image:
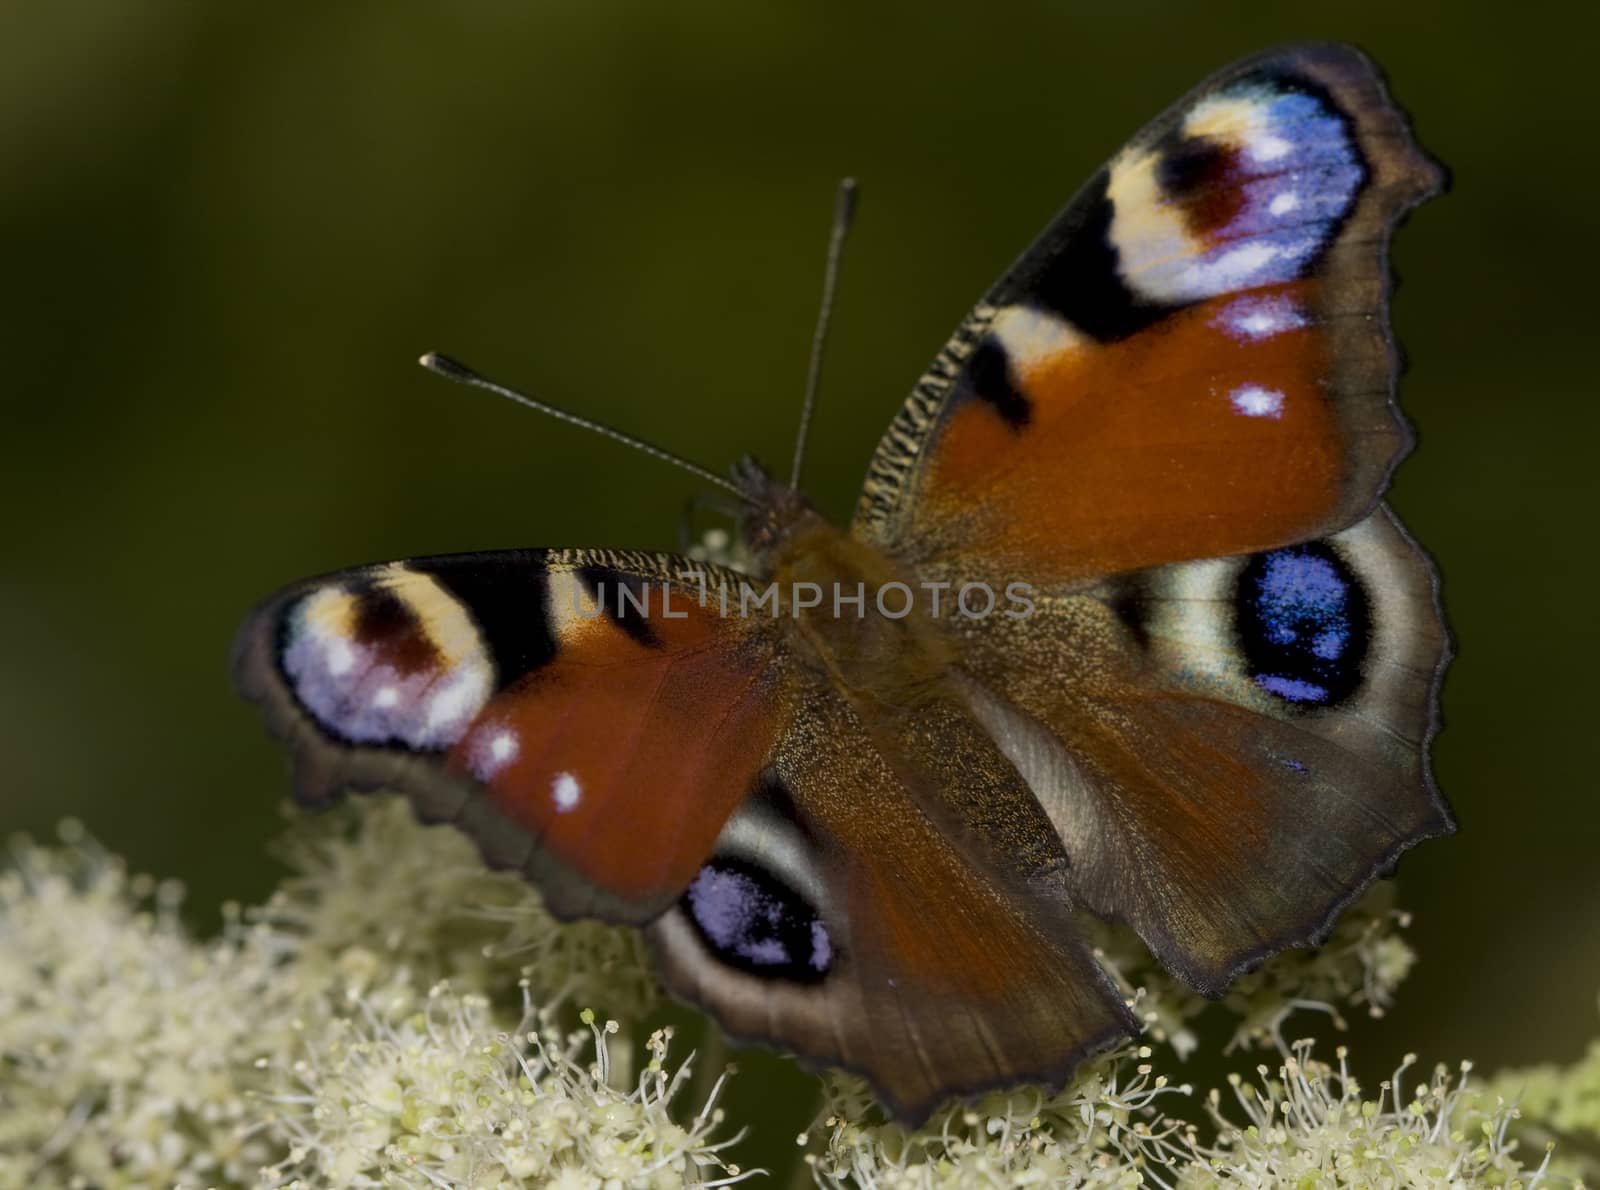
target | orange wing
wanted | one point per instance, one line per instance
(579, 713)
(1192, 362)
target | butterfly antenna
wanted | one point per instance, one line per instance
(461, 374)
(844, 212)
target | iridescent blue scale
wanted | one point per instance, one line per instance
(1302, 620)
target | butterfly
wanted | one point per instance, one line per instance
(1121, 626)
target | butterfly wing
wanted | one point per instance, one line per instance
(1193, 361)
(579, 713)
(813, 881)
(1232, 749)
(948, 971)
(1174, 419)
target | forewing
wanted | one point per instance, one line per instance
(1193, 361)
(583, 715)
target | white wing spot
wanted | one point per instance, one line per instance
(1253, 318)
(387, 696)
(565, 791)
(1284, 203)
(456, 700)
(341, 657)
(1254, 401)
(1260, 324)
(504, 746)
(491, 750)
(1269, 148)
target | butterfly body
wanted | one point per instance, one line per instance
(1120, 627)
(896, 660)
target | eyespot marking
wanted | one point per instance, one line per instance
(757, 924)
(1245, 192)
(1301, 616)
(391, 661)
(1292, 689)
(508, 606)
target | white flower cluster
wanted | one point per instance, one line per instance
(1309, 1124)
(437, 1095)
(1301, 1124)
(122, 1042)
(396, 1015)
(323, 1042)
(1104, 1130)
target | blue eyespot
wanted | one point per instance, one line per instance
(1302, 620)
(757, 924)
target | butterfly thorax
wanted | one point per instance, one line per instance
(832, 589)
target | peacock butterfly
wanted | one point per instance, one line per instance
(1120, 626)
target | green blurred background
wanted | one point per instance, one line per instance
(229, 229)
